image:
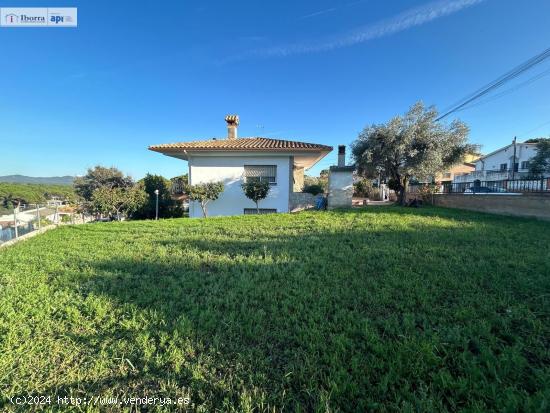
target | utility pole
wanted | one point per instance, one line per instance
(514, 160)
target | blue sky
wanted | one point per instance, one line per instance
(139, 73)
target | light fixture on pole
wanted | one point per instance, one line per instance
(157, 205)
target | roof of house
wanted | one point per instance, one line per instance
(503, 148)
(241, 144)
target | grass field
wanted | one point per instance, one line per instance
(381, 309)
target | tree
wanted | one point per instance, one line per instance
(256, 191)
(167, 206)
(98, 177)
(540, 163)
(413, 145)
(34, 193)
(204, 193)
(117, 201)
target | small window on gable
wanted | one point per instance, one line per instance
(525, 165)
(263, 173)
(503, 166)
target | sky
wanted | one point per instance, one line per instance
(133, 74)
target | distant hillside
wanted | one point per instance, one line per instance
(49, 180)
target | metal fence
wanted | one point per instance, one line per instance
(24, 219)
(17, 222)
(485, 187)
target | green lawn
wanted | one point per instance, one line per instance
(380, 309)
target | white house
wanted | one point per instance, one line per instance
(500, 164)
(232, 160)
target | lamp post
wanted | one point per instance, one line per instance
(38, 215)
(15, 220)
(157, 205)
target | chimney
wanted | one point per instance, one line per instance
(232, 123)
(341, 155)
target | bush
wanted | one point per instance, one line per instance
(314, 189)
(362, 188)
(204, 193)
(427, 192)
(256, 191)
(365, 188)
(318, 181)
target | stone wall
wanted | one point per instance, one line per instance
(302, 200)
(527, 205)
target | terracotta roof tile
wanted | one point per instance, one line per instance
(240, 144)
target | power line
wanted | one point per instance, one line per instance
(508, 91)
(535, 128)
(512, 74)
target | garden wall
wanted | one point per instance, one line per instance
(301, 200)
(526, 205)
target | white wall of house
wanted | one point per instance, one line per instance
(230, 170)
(524, 152)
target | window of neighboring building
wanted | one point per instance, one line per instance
(263, 173)
(447, 175)
(525, 165)
(503, 166)
(253, 211)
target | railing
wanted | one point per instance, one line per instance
(484, 187)
(17, 222)
(491, 175)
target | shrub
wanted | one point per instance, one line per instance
(204, 193)
(314, 189)
(362, 188)
(427, 192)
(256, 191)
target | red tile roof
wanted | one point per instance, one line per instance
(240, 144)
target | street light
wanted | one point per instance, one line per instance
(157, 205)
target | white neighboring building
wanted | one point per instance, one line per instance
(500, 165)
(233, 160)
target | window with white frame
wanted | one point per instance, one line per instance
(525, 165)
(262, 173)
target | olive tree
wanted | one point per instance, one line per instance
(118, 201)
(413, 145)
(204, 193)
(256, 191)
(98, 177)
(540, 163)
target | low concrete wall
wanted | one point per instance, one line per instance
(302, 200)
(526, 205)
